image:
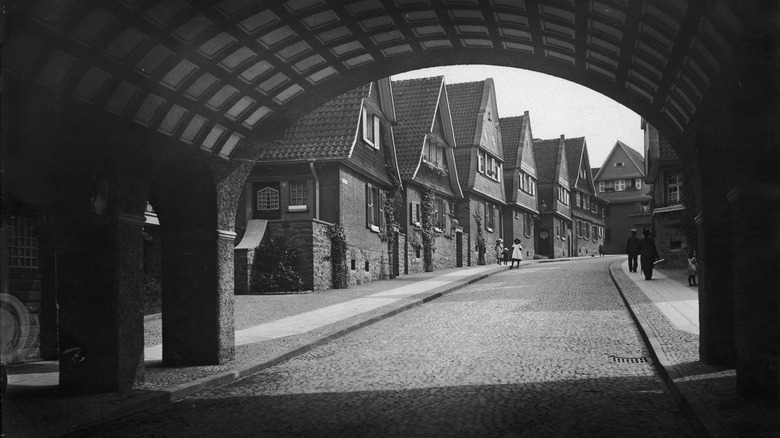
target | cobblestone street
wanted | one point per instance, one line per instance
(545, 350)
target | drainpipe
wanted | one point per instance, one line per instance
(316, 191)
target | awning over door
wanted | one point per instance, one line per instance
(255, 230)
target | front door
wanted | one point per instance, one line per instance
(543, 242)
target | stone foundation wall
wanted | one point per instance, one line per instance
(322, 272)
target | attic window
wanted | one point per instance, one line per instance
(371, 129)
(619, 164)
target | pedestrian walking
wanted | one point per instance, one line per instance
(499, 250)
(693, 268)
(648, 254)
(517, 253)
(601, 250)
(632, 249)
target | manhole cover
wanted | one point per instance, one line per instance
(618, 359)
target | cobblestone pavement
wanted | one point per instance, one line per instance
(546, 350)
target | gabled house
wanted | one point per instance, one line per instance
(554, 235)
(665, 172)
(333, 166)
(620, 181)
(425, 144)
(587, 210)
(479, 159)
(520, 182)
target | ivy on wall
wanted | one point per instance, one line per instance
(428, 210)
(338, 255)
(480, 238)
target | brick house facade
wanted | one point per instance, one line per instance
(621, 182)
(587, 208)
(554, 237)
(479, 159)
(520, 183)
(330, 167)
(425, 143)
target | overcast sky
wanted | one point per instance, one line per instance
(555, 106)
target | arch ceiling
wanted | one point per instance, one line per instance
(218, 74)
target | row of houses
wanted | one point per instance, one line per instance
(419, 175)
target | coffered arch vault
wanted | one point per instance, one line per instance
(215, 74)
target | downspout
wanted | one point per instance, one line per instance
(316, 190)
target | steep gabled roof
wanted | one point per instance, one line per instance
(416, 103)
(512, 139)
(636, 159)
(465, 103)
(575, 150)
(328, 132)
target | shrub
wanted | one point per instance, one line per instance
(273, 268)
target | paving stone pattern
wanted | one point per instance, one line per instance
(526, 352)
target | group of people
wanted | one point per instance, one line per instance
(503, 253)
(648, 255)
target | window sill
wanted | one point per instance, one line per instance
(438, 230)
(374, 228)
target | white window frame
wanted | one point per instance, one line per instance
(638, 183)
(268, 204)
(601, 186)
(296, 204)
(374, 138)
(620, 185)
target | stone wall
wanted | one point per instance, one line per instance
(322, 271)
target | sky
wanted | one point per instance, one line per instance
(555, 106)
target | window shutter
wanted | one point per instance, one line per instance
(369, 205)
(411, 213)
(377, 132)
(382, 219)
(365, 125)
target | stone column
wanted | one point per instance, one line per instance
(100, 282)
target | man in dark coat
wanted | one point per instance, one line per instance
(648, 254)
(632, 249)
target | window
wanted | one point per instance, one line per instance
(674, 183)
(601, 186)
(563, 195)
(371, 129)
(523, 181)
(594, 207)
(620, 185)
(619, 164)
(595, 233)
(481, 156)
(490, 217)
(298, 196)
(586, 202)
(439, 215)
(433, 153)
(578, 199)
(579, 228)
(414, 214)
(583, 173)
(267, 199)
(638, 183)
(22, 243)
(532, 185)
(527, 224)
(586, 229)
(557, 230)
(374, 208)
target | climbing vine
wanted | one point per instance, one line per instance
(480, 239)
(273, 269)
(338, 255)
(428, 209)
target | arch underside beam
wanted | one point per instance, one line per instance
(220, 76)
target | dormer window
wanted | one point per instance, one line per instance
(371, 129)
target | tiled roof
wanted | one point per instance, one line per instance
(465, 101)
(635, 155)
(511, 128)
(665, 149)
(594, 171)
(574, 151)
(463, 164)
(327, 132)
(415, 107)
(546, 154)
